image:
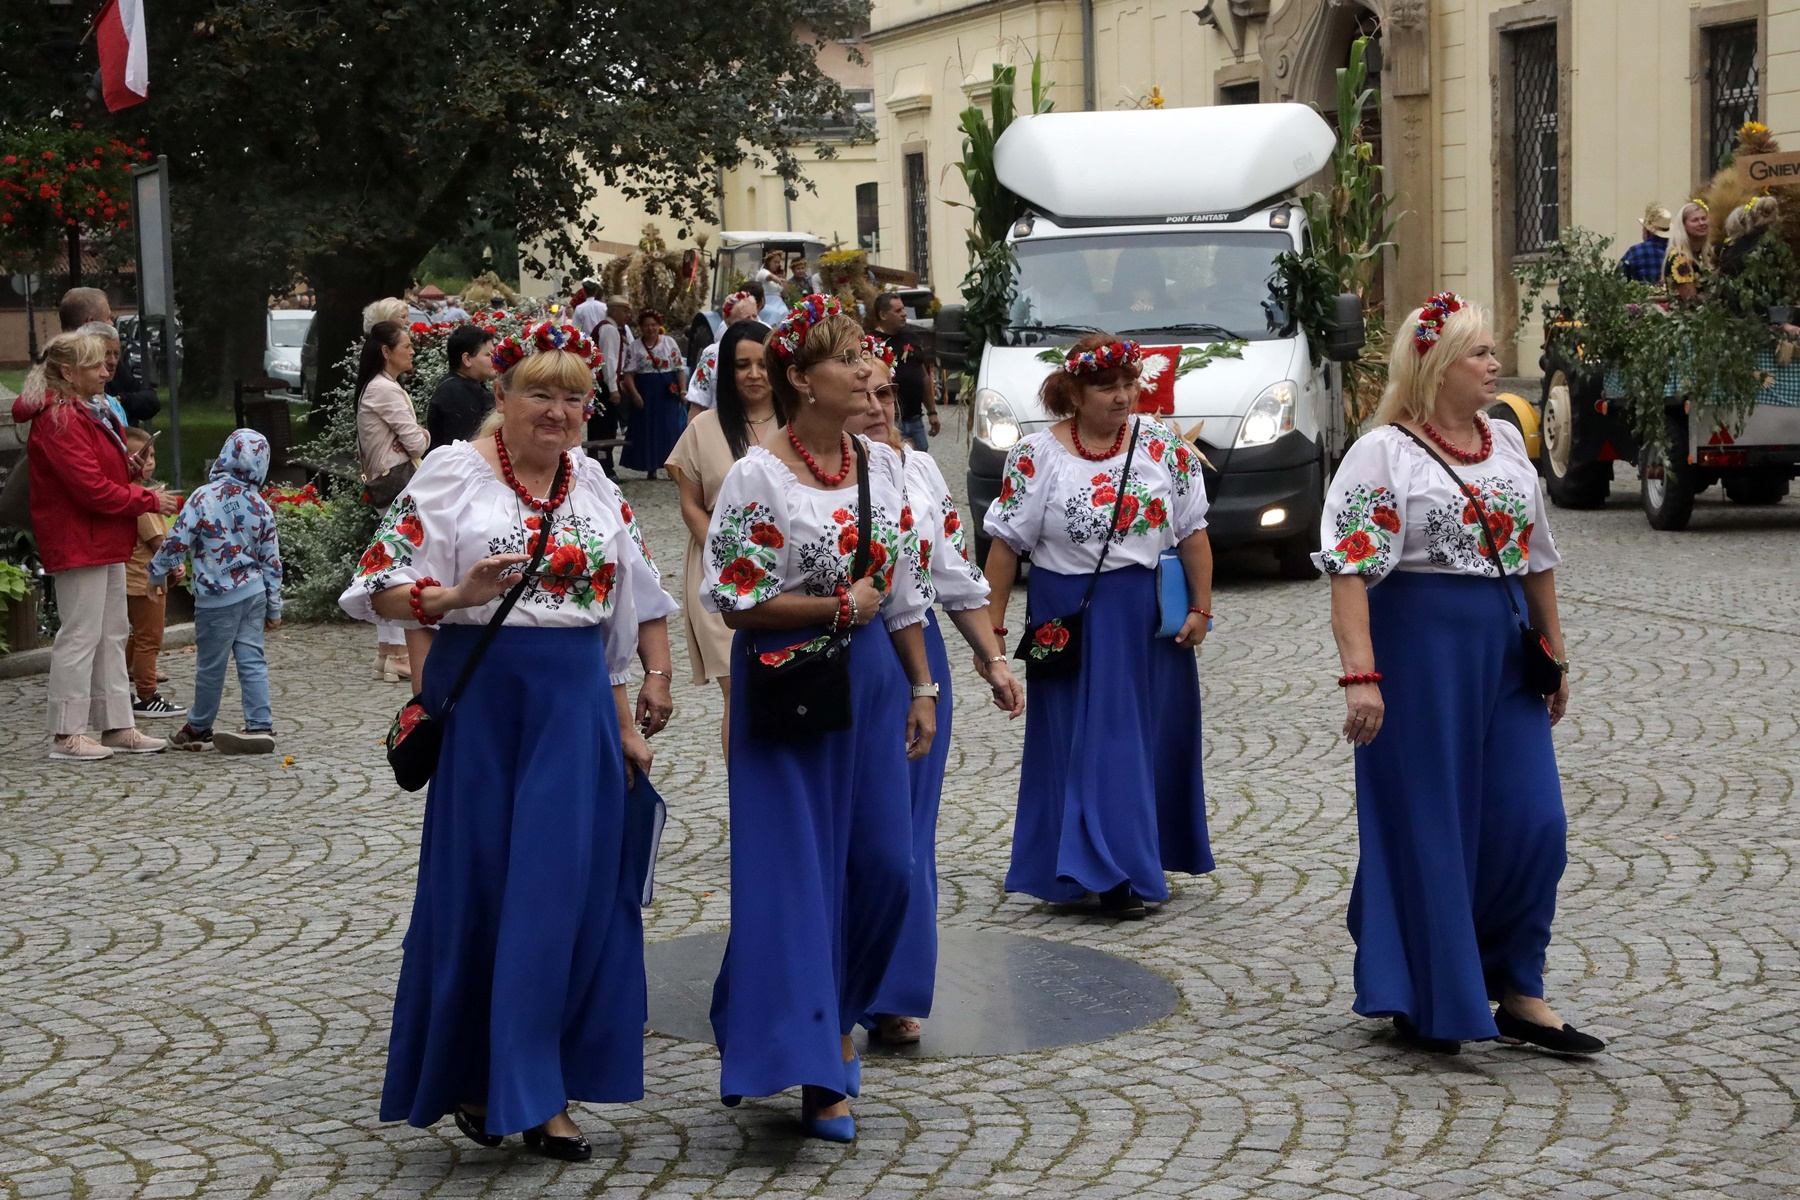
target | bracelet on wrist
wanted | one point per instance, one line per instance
(1204, 612)
(1001, 631)
(656, 671)
(418, 601)
(1356, 677)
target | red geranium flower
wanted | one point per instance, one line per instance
(1155, 513)
(375, 559)
(1387, 518)
(762, 533)
(743, 575)
(410, 528)
(1356, 547)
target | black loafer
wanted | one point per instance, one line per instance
(472, 1128)
(1123, 903)
(568, 1149)
(1408, 1033)
(1567, 1040)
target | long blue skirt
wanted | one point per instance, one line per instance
(821, 862)
(522, 979)
(1459, 811)
(907, 988)
(652, 431)
(1111, 790)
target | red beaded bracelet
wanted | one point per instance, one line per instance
(840, 620)
(1001, 631)
(418, 604)
(1205, 612)
(1357, 677)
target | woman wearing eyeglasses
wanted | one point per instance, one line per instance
(522, 982)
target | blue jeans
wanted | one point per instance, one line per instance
(913, 430)
(233, 630)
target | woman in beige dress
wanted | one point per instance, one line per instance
(712, 442)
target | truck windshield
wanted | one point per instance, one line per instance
(1184, 286)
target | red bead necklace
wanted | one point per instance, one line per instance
(812, 464)
(1118, 443)
(1460, 455)
(524, 493)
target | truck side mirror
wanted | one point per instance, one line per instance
(1344, 342)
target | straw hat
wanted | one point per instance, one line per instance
(1656, 220)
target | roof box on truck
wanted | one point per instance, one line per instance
(1175, 164)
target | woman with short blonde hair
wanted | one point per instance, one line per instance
(1435, 540)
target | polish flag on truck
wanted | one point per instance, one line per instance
(124, 54)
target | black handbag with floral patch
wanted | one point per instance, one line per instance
(801, 691)
(1052, 649)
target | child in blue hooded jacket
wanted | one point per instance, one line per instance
(229, 530)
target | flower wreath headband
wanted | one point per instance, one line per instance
(1104, 358)
(873, 347)
(512, 350)
(1434, 314)
(790, 332)
(735, 299)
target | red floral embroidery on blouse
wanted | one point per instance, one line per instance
(764, 533)
(1157, 446)
(906, 517)
(411, 528)
(742, 574)
(1128, 511)
(847, 539)
(1387, 518)
(1356, 547)
(375, 559)
(841, 516)
(1027, 468)
(1156, 513)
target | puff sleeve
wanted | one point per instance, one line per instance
(1016, 516)
(417, 538)
(1186, 485)
(747, 544)
(943, 550)
(1360, 532)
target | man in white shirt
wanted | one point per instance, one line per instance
(591, 311)
(614, 336)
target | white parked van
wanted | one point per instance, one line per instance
(1163, 226)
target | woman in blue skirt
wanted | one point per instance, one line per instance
(821, 850)
(655, 382)
(522, 977)
(1459, 808)
(931, 538)
(1110, 792)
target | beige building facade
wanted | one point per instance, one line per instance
(1501, 124)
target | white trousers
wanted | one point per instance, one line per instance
(90, 687)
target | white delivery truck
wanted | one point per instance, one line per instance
(1163, 226)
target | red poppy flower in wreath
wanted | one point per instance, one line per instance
(906, 517)
(1156, 513)
(1128, 511)
(742, 574)
(763, 533)
(375, 559)
(1356, 547)
(1386, 518)
(847, 539)
(411, 528)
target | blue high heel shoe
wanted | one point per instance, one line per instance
(828, 1129)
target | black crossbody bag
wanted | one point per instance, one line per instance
(1052, 649)
(416, 738)
(800, 692)
(1543, 674)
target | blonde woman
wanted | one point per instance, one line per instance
(1459, 807)
(1689, 252)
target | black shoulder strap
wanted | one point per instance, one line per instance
(1112, 525)
(1474, 498)
(545, 528)
(859, 563)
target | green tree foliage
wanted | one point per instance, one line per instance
(341, 142)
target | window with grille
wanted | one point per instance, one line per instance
(868, 216)
(1536, 182)
(918, 200)
(1241, 93)
(1731, 87)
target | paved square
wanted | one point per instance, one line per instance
(197, 953)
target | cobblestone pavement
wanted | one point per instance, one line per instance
(197, 955)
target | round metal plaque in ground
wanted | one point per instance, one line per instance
(997, 993)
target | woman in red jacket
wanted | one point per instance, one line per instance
(84, 510)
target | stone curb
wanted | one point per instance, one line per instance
(37, 662)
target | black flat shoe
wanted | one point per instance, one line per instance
(1123, 903)
(1567, 1040)
(1408, 1033)
(568, 1149)
(472, 1128)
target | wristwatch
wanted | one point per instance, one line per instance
(925, 691)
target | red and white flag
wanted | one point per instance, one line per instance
(124, 54)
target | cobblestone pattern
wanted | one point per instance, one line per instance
(197, 954)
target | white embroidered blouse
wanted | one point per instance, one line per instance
(665, 355)
(457, 511)
(1055, 505)
(931, 537)
(703, 383)
(1391, 508)
(771, 534)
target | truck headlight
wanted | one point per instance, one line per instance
(995, 423)
(1271, 415)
